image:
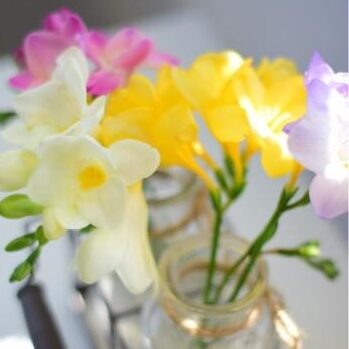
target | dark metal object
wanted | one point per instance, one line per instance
(42, 328)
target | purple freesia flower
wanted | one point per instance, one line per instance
(37, 56)
(320, 140)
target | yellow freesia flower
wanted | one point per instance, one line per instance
(279, 97)
(207, 86)
(158, 115)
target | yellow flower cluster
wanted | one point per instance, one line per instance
(237, 101)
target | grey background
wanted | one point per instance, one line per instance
(187, 28)
(255, 27)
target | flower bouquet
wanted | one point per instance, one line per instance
(89, 125)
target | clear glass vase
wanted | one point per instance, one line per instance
(178, 207)
(179, 319)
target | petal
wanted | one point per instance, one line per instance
(158, 59)
(318, 69)
(64, 22)
(97, 256)
(23, 81)
(94, 44)
(136, 268)
(68, 216)
(16, 167)
(104, 206)
(228, 124)
(134, 55)
(329, 197)
(52, 228)
(103, 82)
(276, 158)
(134, 160)
(41, 50)
(122, 40)
(91, 118)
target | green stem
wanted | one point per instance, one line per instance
(266, 235)
(213, 255)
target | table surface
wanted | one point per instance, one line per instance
(319, 306)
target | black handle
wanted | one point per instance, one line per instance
(42, 328)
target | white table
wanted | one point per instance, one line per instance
(319, 306)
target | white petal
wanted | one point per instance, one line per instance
(52, 228)
(90, 119)
(134, 160)
(329, 197)
(97, 256)
(72, 72)
(69, 217)
(137, 268)
(30, 138)
(16, 166)
(104, 206)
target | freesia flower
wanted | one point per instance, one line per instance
(155, 114)
(124, 249)
(272, 97)
(118, 56)
(16, 168)
(61, 30)
(78, 182)
(207, 87)
(320, 140)
(58, 106)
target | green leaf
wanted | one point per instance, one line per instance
(6, 116)
(221, 179)
(21, 243)
(216, 200)
(327, 266)
(21, 272)
(34, 256)
(18, 206)
(40, 236)
(229, 165)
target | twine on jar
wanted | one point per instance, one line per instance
(285, 326)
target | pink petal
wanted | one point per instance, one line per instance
(134, 56)
(41, 50)
(123, 39)
(329, 197)
(157, 59)
(65, 22)
(22, 81)
(19, 57)
(94, 44)
(103, 82)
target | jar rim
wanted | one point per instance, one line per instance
(200, 241)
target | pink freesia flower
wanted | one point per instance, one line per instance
(37, 56)
(117, 57)
(320, 140)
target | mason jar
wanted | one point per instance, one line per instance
(178, 318)
(179, 207)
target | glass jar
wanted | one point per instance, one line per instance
(178, 207)
(179, 319)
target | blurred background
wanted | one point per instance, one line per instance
(187, 28)
(254, 27)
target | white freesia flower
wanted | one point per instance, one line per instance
(79, 182)
(58, 106)
(125, 249)
(16, 167)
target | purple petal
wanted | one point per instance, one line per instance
(104, 82)
(329, 197)
(318, 69)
